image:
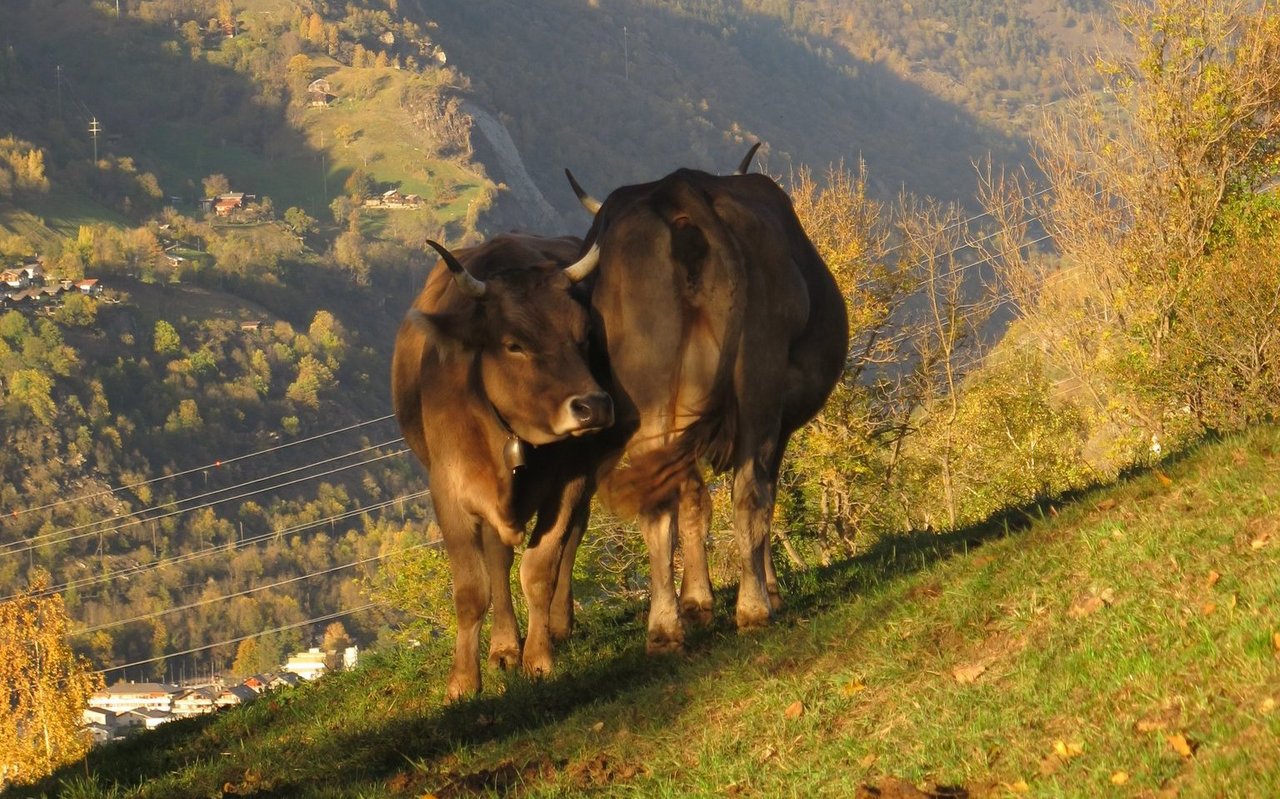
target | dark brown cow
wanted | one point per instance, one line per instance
(492, 389)
(725, 333)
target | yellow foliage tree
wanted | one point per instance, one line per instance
(47, 685)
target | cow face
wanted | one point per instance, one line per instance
(527, 338)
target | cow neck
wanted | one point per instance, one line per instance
(514, 451)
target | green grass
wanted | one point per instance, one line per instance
(45, 219)
(1052, 652)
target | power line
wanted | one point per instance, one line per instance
(214, 465)
(176, 502)
(235, 546)
(314, 620)
(179, 512)
(254, 590)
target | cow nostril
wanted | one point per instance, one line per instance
(581, 409)
(592, 410)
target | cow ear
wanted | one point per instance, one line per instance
(445, 329)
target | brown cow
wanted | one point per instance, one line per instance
(492, 389)
(725, 333)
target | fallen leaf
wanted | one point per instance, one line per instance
(1089, 604)
(597, 727)
(1275, 641)
(853, 687)
(1120, 778)
(1212, 579)
(1165, 480)
(1150, 725)
(1180, 744)
(1020, 786)
(1066, 751)
(868, 760)
(970, 672)
(1208, 608)
(1108, 503)
(1260, 541)
(794, 710)
(1267, 705)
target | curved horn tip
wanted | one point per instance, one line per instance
(588, 202)
(746, 161)
(584, 265)
(467, 282)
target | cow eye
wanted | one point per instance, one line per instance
(513, 347)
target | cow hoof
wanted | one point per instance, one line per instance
(696, 613)
(538, 666)
(560, 634)
(505, 658)
(664, 644)
(460, 688)
(775, 599)
(753, 619)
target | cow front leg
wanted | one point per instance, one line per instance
(753, 495)
(562, 602)
(695, 522)
(539, 567)
(470, 602)
(666, 633)
(504, 637)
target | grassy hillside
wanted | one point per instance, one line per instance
(1123, 642)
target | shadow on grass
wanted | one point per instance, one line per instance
(603, 662)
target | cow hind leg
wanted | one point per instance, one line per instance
(666, 633)
(695, 521)
(504, 637)
(771, 580)
(753, 496)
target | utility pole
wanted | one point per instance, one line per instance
(94, 130)
(626, 54)
(59, 82)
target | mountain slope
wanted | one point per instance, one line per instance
(1124, 638)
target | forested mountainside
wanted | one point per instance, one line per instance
(342, 135)
(622, 91)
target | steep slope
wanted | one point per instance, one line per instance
(1121, 641)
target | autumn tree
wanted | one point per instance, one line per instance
(1158, 207)
(216, 184)
(46, 684)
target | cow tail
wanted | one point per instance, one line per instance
(716, 290)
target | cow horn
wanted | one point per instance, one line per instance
(746, 161)
(584, 265)
(588, 202)
(467, 282)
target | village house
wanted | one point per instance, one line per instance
(195, 702)
(235, 695)
(100, 716)
(15, 278)
(224, 204)
(392, 198)
(142, 718)
(307, 665)
(320, 93)
(90, 286)
(125, 696)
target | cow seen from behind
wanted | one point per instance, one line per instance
(494, 392)
(725, 333)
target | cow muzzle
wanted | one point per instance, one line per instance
(590, 412)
